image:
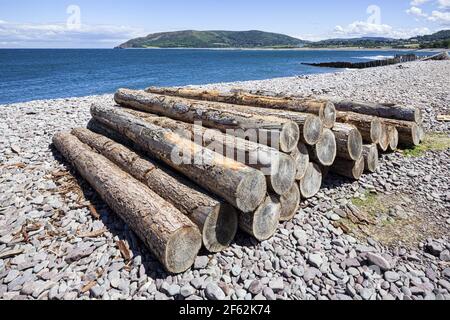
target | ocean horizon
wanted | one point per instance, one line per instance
(36, 74)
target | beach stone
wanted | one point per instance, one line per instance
(276, 285)
(187, 291)
(315, 260)
(391, 276)
(255, 287)
(214, 292)
(201, 262)
(379, 261)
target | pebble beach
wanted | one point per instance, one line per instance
(59, 241)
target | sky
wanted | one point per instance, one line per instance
(108, 23)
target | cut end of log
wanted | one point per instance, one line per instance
(355, 143)
(263, 223)
(251, 191)
(370, 154)
(348, 168)
(415, 135)
(182, 249)
(289, 136)
(326, 148)
(312, 130)
(301, 158)
(328, 115)
(290, 202)
(376, 129)
(418, 116)
(220, 228)
(311, 182)
(384, 138)
(393, 139)
(283, 174)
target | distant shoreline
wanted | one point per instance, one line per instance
(292, 49)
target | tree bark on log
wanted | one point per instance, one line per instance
(242, 186)
(408, 132)
(393, 138)
(386, 110)
(325, 151)
(311, 182)
(279, 168)
(348, 141)
(370, 154)
(301, 158)
(215, 218)
(171, 237)
(348, 168)
(369, 126)
(290, 202)
(324, 109)
(263, 223)
(273, 131)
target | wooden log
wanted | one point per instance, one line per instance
(273, 131)
(348, 141)
(324, 109)
(171, 236)
(263, 223)
(370, 154)
(279, 168)
(242, 186)
(369, 126)
(301, 158)
(290, 202)
(408, 132)
(383, 144)
(324, 152)
(215, 218)
(422, 133)
(311, 182)
(381, 110)
(348, 168)
(393, 138)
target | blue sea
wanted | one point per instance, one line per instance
(46, 73)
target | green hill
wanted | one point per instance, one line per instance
(214, 39)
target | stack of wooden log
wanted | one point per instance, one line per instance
(180, 185)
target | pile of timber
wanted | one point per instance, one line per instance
(185, 168)
(379, 63)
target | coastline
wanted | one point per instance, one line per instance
(32, 176)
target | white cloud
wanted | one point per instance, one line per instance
(59, 35)
(364, 29)
(444, 4)
(416, 3)
(415, 11)
(440, 17)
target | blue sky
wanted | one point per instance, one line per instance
(107, 23)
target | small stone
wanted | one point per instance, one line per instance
(97, 291)
(201, 262)
(434, 248)
(260, 297)
(213, 292)
(298, 271)
(269, 294)
(301, 236)
(187, 291)
(236, 270)
(255, 287)
(378, 260)
(310, 274)
(445, 284)
(276, 285)
(445, 255)
(16, 149)
(79, 253)
(391, 276)
(315, 260)
(173, 290)
(365, 293)
(12, 274)
(446, 273)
